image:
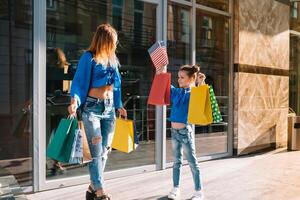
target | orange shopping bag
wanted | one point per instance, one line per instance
(87, 157)
(200, 111)
(160, 90)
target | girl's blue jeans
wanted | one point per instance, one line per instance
(185, 139)
(99, 122)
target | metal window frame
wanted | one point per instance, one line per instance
(161, 111)
(39, 86)
(231, 82)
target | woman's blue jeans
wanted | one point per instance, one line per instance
(185, 139)
(99, 122)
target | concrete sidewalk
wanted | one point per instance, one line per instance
(270, 176)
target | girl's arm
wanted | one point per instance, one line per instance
(161, 69)
(200, 79)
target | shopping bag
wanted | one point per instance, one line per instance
(22, 127)
(160, 90)
(87, 157)
(124, 136)
(80, 150)
(60, 146)
(216, 114)
(77, 150)
(200, 111)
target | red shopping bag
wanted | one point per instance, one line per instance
(160, 90)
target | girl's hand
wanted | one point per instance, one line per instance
(201, 78)
(122, 112)
(72, 107)
(161, 69)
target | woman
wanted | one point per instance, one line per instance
(96, 87)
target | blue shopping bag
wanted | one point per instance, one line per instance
(77, 148)
(80, 150)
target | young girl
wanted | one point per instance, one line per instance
(97, 87)
(182, 132)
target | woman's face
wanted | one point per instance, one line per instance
(184, 80)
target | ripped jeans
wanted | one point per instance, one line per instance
(184, 139)
(99, 122)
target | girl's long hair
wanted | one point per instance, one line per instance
(104, 44)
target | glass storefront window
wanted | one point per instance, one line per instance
(212, 54)
(218, 4)
(294, 10)
(16, 96)
(179, 50)
(70, 26)
(294, 74)
(294, 19)
(179, 35)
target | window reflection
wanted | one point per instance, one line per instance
(15, 96)
(117, 9)
(179, 50)
(294, 10)
(294, 95)
(178, 35)
(218, 4)
(70, 26)
(294, 19)
(212, 53)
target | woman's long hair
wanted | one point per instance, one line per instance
(104, 44)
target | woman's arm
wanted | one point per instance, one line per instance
(81, 82)
(117, 89)
(118, 94)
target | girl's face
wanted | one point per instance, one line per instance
(184, 80)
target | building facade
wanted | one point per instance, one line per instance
(244, 47)
(261, 69)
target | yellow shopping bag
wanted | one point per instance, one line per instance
(124, 136)
(200, 107)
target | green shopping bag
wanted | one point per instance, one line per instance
(217, 117)
(60, 146)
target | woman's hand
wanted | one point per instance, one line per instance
(72, 107)
(201, 78)
(122, 112)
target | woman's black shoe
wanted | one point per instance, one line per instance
(90, 195)
(103, 197)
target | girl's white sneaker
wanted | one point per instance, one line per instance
(174, 194)
(198, 195)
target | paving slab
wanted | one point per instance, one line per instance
(269, 176)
